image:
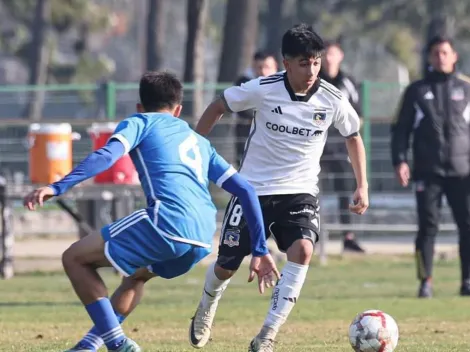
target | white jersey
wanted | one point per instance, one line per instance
(288, 132)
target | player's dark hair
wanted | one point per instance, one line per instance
(437, 40)
(301, 40)
(261, 55)
(160, 90)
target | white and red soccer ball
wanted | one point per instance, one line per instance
(373, 331)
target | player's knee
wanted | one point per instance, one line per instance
(226, 267)
(300, 251)
(68, 258)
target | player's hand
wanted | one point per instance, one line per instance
(403, 174)
(37, 197)
(266, 270)
(361, 201)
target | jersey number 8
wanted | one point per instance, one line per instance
(195, 162)
(236, 215)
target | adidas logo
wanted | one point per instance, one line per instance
(428, 96)
(291, 299)
(277, 110)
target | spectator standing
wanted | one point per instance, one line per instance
(335, 156)
(436, 111)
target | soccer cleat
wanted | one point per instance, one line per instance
(465, 288)
(261, 345)
(425, 289)
(201, 324)
(128, 346)
(79, 348)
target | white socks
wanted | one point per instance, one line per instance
(285, 295)
(213, 287)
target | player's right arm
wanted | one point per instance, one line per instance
(233, 99)
(226, 177)
(128, 134)
(401, 130)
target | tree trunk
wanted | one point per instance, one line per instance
(38, 58)
(240, 38)
(441, 23)
(274, 27)
(196, 18)
(155, 34)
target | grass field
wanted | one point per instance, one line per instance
(39, 312)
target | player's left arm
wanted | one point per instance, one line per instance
(348, 123)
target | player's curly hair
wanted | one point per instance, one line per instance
(160, 90)
(302, 40)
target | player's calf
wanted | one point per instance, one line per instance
(124, 300)
(80, 262)
(217, 280)
(287, 290)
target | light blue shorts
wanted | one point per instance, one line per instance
(134, 242)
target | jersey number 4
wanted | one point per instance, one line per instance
(194, 161)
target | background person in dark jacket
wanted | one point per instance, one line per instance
(335, 156)
(264, 64)
(436, 110)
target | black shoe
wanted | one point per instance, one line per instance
(350, 245)
(425, 289)
(465, 288)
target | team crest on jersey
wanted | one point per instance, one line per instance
(457, 94)
(319, 117)
(232, 238)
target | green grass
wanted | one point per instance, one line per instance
(39, 312)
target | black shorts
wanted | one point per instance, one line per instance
(286, 217)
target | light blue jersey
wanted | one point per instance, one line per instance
(175, 165)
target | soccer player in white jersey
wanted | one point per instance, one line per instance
(293, 112)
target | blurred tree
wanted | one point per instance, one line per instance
(240, 38)
(399, 25)
(196, 18)
(274, 27)
(155, 34)
(38, 57)
(33, 39)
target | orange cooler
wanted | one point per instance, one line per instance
(123, 171)
(50, 153)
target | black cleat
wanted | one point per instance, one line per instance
(425, 289)
(465, 288)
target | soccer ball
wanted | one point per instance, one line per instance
(373, 331)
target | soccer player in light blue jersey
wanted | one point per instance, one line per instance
(176, 229)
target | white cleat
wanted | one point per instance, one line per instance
(261, 345)
(201, 325)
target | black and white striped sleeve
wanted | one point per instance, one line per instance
(346, 120)
(243, 97)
